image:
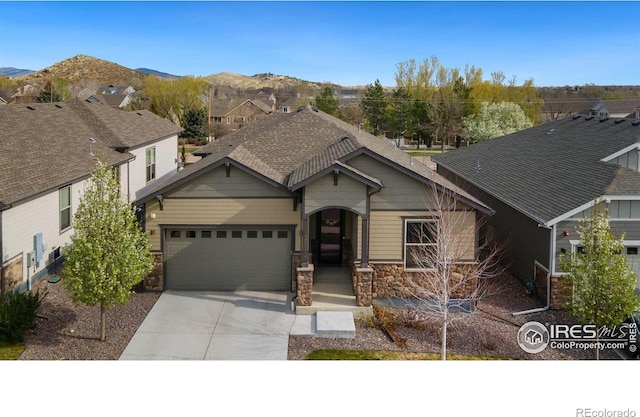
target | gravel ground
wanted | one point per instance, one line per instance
(489, 331)
(67, 331)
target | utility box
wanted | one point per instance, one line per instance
(31, 258)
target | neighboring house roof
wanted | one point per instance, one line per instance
(114, 100)
(287, 149)
(221, 107)
(553, 169)
(46, 145)
(628, 107)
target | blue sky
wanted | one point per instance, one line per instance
(349, 43)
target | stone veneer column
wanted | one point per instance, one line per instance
(363, 290)
(155, 280)
(305, 285)
(561, 293)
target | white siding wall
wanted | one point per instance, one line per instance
(166, 165)
(41, 215)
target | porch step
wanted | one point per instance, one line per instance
(338, 324)
(325, 324)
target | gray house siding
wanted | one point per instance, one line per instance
(629, 160)
(524, 241)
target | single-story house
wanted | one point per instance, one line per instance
(270, 203)
(543, 181)
(49, 152)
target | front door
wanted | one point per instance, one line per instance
(330, 230)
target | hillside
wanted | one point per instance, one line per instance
(277, 82)
(82, 68)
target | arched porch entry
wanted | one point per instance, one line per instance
(333, 237)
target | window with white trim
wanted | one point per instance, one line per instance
(65, 208)
(151, 164)
(420, 243)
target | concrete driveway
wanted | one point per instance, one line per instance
(241, 325)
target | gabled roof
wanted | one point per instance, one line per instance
(288, 149)
(46, 145)
(627, 106)
(549, 170)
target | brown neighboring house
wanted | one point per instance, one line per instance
(232, 114)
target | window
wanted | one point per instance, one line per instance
(65, 208)
(221, 234)
(236, 234)
(191, 234)
(228, 120)
(632, 251)
(151, 164)
(205, 234)
(175, 234)
(283, 234)
(217, 119)
(419, 241)
(285, 110)
(252, 234)
(267, 234)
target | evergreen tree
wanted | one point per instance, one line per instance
(327, 102)
(194, 123)
(374, 106)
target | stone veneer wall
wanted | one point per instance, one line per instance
(560, 292)
(391, 280)
(11, 275)
(155, 280)
(304, 290)
(363, 283)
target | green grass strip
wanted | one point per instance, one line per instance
(11, 352)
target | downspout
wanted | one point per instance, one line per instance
(552, 267)
(365, 262)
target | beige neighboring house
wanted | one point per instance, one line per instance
(49, 152)
(292, 195)
(228, 115)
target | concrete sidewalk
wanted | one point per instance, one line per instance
(198, 325)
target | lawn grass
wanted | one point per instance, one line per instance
(11, 352)
(188, 148)
(386, 355)
(424, 153)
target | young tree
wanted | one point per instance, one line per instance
(108, 253)
(327, 102)
(55, 91)
(495, 120)
(455, 268)
(603, 283)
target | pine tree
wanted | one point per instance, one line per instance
(109, 254)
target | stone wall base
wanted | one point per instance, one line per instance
(11, 275)
(155, 280)
(363, 280)
(304, 292)
(560, 292)
(391, 280)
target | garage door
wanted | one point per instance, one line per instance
(227, 259)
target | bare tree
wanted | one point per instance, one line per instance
(454, 267)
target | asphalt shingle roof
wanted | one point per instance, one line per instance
(46, 145)
(548, 170)
(288, 148)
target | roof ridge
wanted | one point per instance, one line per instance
(87, 115)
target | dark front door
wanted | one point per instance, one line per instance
(330, 229)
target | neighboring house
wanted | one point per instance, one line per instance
(542, 181)
(629, 108)
(294, 103)
(271, 203)
(118, 101)
(556, 109)
(49, 151)
(232, 114)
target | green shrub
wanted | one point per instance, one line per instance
(17, 315)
